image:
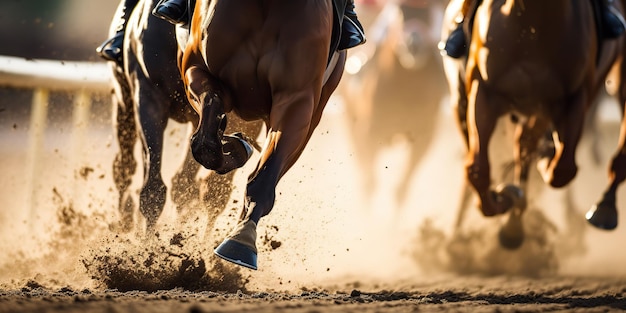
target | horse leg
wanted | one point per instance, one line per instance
(219, 187)
(603, 214)
(527, 136)
(124, 165)
(561, 169)
(481, 123)
(288, 132)
(153, 120)
(291, 126)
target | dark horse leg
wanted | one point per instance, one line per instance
(527, 136)
(603, 214)
(124, 165)
(153, 120)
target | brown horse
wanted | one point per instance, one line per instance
(266, 60)
(383, 101)
(543, 63)
(148, 92)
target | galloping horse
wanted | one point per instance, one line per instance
(274, 61)
(382, 101)
(542, 62)
(148, 92)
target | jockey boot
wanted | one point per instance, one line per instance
(352, 33)
(455, 46)
(111, 49)
(173, 11)
(613, 24)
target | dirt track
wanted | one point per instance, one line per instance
(451, 294)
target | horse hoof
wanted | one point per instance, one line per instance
(602, 215)
(237, 253)
(511, 235)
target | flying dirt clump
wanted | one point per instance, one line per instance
(160, 263)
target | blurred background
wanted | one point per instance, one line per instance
(377, 192)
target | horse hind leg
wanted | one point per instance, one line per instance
(153, 119)
(124, 164)
(603, 214)
(527, 136)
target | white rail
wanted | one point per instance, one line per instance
(43, 76)
(53, 75)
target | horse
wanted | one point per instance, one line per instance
(383, 101)
(540, 63)
(147, 93)
(273, 61)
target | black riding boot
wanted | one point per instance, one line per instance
(613, 24)
(111, 49)
(173, 11)
(352, 33)
(455, 45)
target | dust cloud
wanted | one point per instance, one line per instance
(56, 216)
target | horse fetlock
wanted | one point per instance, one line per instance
(493, 203)
(563, 175)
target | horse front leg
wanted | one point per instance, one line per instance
(290, 127)
(481, 122)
